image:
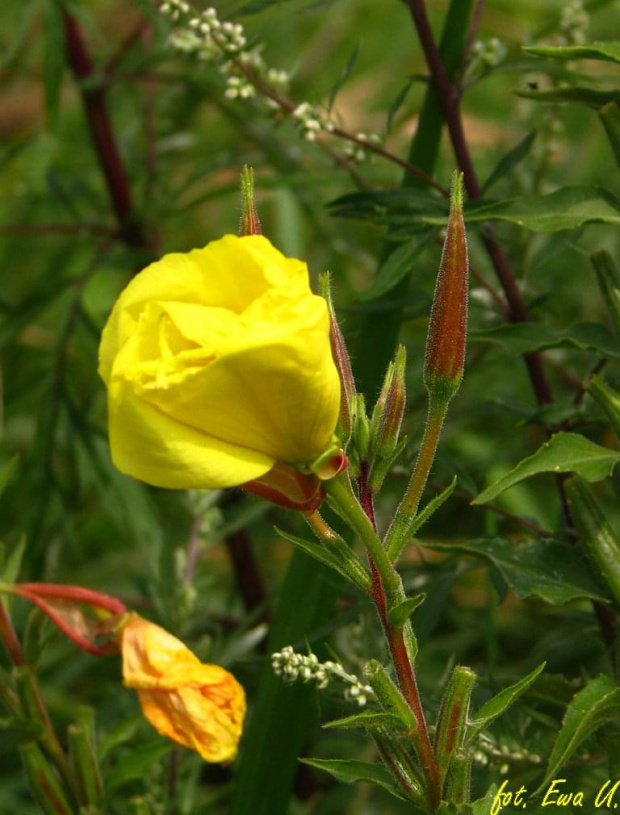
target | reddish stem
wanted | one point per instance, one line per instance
(94, 99)
(9, 637)
(400, 658)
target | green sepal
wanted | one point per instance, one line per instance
(368, 719)
(388, 694)
(399, 614)
(500, 703)
(595, 533)
(352, 771)
(43, 782)
(452, 723)
(338, 557)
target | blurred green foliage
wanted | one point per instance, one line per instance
(65, 257)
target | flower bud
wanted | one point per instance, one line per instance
(340, 354)
(608, 399)
(452, 724)
(445, 342)
(250, 223)
(43, 782)
(385, 428)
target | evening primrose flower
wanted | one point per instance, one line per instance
(219, 370)
(197, 705)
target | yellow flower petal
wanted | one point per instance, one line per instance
(199, 706)
(218, 365)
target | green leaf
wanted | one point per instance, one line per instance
(54, 56)
(344, 76)
(429, 509)
(344, 562)
(135, 764)
(24, 17)
(397, 266)
(597, 704)
(607, 51)
(524, 338)
(399, 615)
(566, 208)
(564, 453)
(588, 96)
(351, 771)
(554, 572)
(501, 702)
(367, 719)
(509, 161)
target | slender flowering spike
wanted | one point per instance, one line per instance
(348, 391)
(445, 343)
(250, 223)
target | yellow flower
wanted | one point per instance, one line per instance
(218, 366)
(199, 706)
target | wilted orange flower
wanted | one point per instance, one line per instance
(197, 705)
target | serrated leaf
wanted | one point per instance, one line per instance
(566, 208)
(398, 265)
(554, 572)
(597, 704)
(525, 338)
(607, 51)
(367, 719)
(509, 161)
(564, 453)
(350, 771)
(494, 708)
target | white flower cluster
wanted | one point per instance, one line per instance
(489, 53)
(311, 121)
(209, 39)
(355, 152)
(574, 23)
(292, 667)
(488, 751)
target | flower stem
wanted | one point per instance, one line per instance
(397, 534)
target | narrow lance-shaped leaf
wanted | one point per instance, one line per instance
(609, 115)
(608, 277)
(608, 399)
(352, 771)
(494, 708)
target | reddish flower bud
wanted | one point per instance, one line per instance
(250, 223)
(445, 342)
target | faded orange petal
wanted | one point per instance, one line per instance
(197, 705)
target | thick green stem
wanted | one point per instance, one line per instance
(397, 534)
